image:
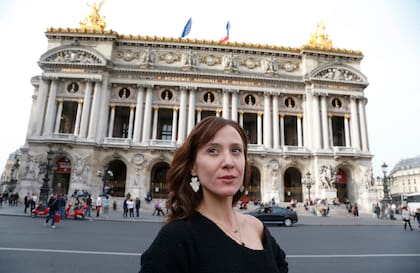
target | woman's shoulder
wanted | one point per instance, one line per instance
(253, 222)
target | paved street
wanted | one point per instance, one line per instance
(316, 244)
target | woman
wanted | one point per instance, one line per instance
(405, 215)
(203, 232)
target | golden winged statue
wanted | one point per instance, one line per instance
(319, 38)
(94, 20)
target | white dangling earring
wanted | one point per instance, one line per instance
(242, 188)
(195, 184)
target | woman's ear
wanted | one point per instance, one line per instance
(193, 172)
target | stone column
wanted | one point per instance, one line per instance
(259, 128)
(78, 116)
(138, 120)
(317, 126)
(347, 130)
(174, 124)
(267, 121)
(363, 127)
(111, 121)
(282, 141)
(276, 136)
(218, 111)
(182, 115)
(330, 130)
(40, 106)
(103, 113)
(324, 116)
(131, 121)
(58, 116)
(198, 115)
(234, 113)
(95, 111)
(225, 112)
(354, 122)
(299, 130)
(191, 110)
(155, 122)
(51, 109)
(86, 109)
(147, 115)
(241, 118)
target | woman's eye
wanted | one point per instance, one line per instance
(237, 150)
(212, 150)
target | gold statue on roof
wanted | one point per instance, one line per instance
(94, 21)
(319, 38)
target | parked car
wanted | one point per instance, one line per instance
(276, 215)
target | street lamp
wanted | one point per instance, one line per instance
(13, 176)
(308, 182)
(45, 187)
(386, 200)
(105, 174)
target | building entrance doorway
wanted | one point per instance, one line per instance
(293, 185)
(61, 177)
(341, 185)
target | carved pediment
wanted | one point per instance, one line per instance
(338, 73)
(73, 56)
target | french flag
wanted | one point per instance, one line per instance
(226, 38)
(187, 28)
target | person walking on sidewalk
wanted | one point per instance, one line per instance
(137, 204)
(405, 214)
(98, 205)
(53, 206)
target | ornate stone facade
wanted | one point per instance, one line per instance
(124, 103)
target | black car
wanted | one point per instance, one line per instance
(276, 215)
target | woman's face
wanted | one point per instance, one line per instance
(220, 163)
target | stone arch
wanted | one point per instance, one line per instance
(338, 72)
(74, 55)
(293, 184)
(158, 184)
(115, 184)
(343, 183)
(254, 186)
(62, 175)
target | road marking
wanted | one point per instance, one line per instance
(69, 251)
(139, 254)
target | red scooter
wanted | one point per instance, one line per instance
(40, 210)
(78, 212)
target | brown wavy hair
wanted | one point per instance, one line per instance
(182, 199)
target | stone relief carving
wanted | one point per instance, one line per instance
(81, 170)
(211, 60)
(269, 65)
(169, 57)
(338, 74)
(327, 176)
(74, 56)
(33, 167)
(274, 167)
(367, 177)
(289, 66)
(148, 57)
(189, 59)
(230, 62)
(128, 55)
(139, 162)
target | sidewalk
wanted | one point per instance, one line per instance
(305, 218)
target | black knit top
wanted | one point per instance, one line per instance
(200, 246)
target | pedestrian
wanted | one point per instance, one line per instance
(125, 208)
(62, 206)
(417, 216)
(26, 202)
(130, 207)
(106, 207)
(377, 210)
(405, 214)
(158, 209)
(137, 205)
(203, 233)
(98, 205)
(89, 205)
(355, 210)
(53, 206)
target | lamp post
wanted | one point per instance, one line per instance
(386, 200)
(105, 174)
(45, 187)
(308, 182)
(13, 177)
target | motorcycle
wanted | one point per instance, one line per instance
(78, 212)
(40, 210)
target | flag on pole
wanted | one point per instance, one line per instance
(226, 38)
(187, 28)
